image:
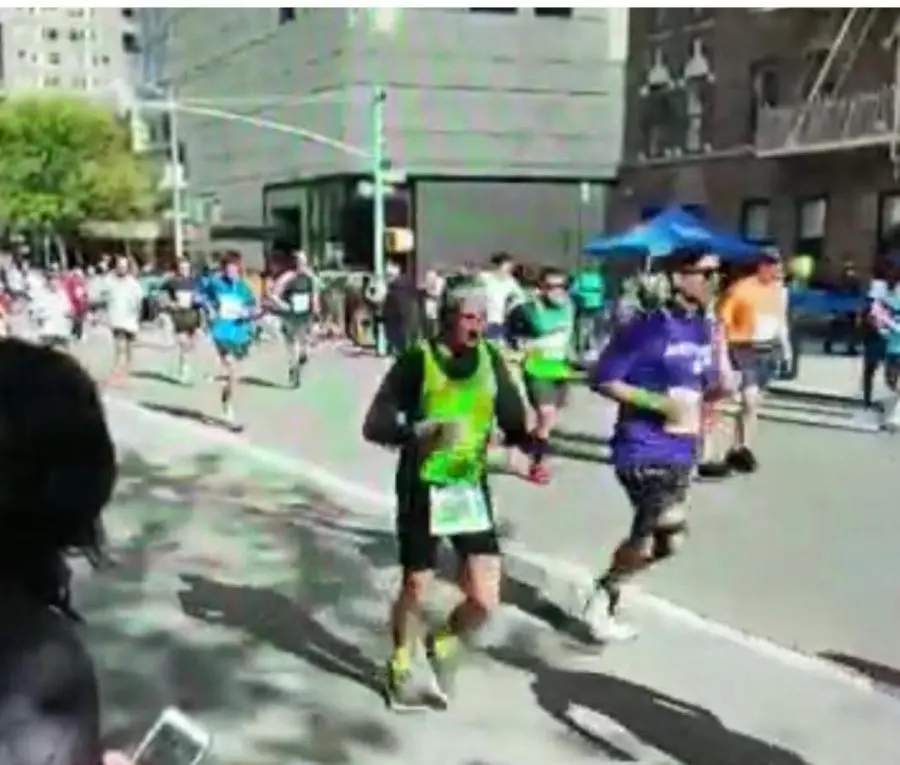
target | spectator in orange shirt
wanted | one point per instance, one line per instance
(753, 316)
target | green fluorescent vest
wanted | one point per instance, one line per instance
(547, 355)
(469, 402)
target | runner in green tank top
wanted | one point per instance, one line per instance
(548, 322)
(439, 403)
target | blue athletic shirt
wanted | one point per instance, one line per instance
(231, 304)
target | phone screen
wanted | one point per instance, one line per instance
(170, 746)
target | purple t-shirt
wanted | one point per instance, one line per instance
(660, 351)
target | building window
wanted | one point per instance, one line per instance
(888, 222)
(79, 83)
(130, 43)
(51, 34)
(76, 13)
(53, 59)
(553, 13)
(286, 14)
(51, 82)
(128, 13)
(764, 90)
(659, 115)
(756, 220)
(695, 113)
(509, 11)
(23, 54)
(75, 35)
(812, 215)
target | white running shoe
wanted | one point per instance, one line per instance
(601, 625)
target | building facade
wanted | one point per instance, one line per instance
(778, 123)
(93, 50)
(502, 126)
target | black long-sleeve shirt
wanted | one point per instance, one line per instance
(397, 406)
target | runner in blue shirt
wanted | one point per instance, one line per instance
(232, 309)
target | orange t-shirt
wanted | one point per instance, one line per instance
(752, 312)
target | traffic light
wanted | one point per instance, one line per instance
(399, 241)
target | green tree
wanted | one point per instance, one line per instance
(65, 160)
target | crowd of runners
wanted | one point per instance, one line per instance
(480, 385)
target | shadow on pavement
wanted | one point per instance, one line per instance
(579, 438)
(153, 376)
(277, 620)
(185, 413)
(217, 596)
(880, 673)
(224, 658)
(260, 382)
(688, 733)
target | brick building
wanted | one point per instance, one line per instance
(779, 123)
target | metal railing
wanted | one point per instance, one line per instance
(863, 119)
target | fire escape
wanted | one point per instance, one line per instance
(830, 119)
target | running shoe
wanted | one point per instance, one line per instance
(600, 618)
(539, 473)
(400, 693)
(444, 669)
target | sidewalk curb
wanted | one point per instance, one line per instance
(563, 584)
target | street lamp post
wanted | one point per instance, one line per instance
(375, 155)
(379, 166)
(175, 178)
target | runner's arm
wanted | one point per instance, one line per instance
(508, 406)
(388, 421)
(609, 376)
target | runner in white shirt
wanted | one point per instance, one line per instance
(501, 291)
(124, 296)
(53, 311)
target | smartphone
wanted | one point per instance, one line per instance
(174, 739)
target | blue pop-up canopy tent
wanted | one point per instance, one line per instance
(674, 227)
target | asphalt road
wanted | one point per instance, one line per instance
(257, 601)
(801, 553)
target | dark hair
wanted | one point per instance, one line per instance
(501, 259)
(680, 257)
(57, 469)
(551, 271)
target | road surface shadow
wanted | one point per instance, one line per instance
(153, 376)
(277, 620)
(579, 438)
(686, 732)
(148, 656)
(186, 413)
(261, 382)
(564, 450)
(880, 673)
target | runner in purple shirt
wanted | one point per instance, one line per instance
(658, 367)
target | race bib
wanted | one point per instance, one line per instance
(231, 307)
(300, 302)
(766, 327)
(458, 509)
(689, 422)
(184, 298)
(554, 346)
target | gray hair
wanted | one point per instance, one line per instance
(468, 296)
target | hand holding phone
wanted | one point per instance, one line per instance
(174, 739)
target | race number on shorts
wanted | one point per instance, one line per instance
(458, 509)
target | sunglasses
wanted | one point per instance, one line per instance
(708, 272)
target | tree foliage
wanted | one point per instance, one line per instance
(64, 160)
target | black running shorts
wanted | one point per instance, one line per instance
(418, 549)
(652, 490)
